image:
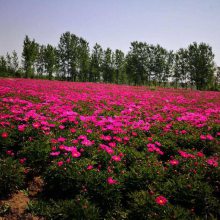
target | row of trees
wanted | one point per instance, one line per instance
(144, 64)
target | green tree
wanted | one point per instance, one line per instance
(29, 55)
(158, 57)
(3, 65)
(96, 63)
(201, 65)
(119, 62)
(168, 68)
(50, 60)
(138, 63)
(107, 66)
(68, 55)
(9, 63)
(15, 62)
(40, 61)
(83, 60)
(181, 67)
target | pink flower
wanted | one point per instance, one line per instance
(55, 153)
(61, 127)
(183, 132)
(10, 152)
(76, 154)
(87, 143)
(61, 139)
(36, 124)
(21, 128)
(89, 131)
(116, 158)
(60, 163)
(174, 162)
(22, 160)
(82, 137)
(72, 130)
(209, 137)
(89, 167)
(161, 200)
(112, 144)
(185, 154)
(4, 135)
(203, 137)
(200, 154)
(212, 162)
(111, 181)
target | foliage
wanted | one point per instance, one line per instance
(106, 151)
(11, 176)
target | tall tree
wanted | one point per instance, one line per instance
(201, 65)
(168, 68)
(83, 60)
(9, 63)
(3, 65)
(119, 62)
(96, 64)
(181, 68)
(29, 54)
(158, 57)
(50, 60)
(68, 54)
(137, 63)
(40, 61)
(15, 62)
(107, 66)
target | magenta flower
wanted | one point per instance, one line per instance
(60, 163)
(87, 143)
(212, 162)
(174, 162)
(4, 135)
(89, 167)
(76, 154)
(116, 158)
(161, 200)
(55, 153)
(111, 181)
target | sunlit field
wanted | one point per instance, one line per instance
(105, 151)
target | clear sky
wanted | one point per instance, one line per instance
(111, 23)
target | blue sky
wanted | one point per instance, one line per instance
(111, 23)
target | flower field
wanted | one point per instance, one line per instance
(108, 151)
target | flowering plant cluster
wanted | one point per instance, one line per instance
(111, 151)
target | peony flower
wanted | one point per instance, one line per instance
(212, 162)
(60, 163)
(89, 167)
(55, 153)
(61, 139)
(21, 128)
(22, 160)
(72, 130)
(200, 154)
(87, 143)
(161, 200)
(76, 154)
(174, 162)
(116, 158)
(111, 181)
(4, 135)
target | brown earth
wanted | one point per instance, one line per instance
(18, 202)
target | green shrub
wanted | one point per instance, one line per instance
(80, 208)
(11, 176)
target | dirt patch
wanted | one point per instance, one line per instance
(17, 203)
(35, 186)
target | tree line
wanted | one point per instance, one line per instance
(144, 64)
